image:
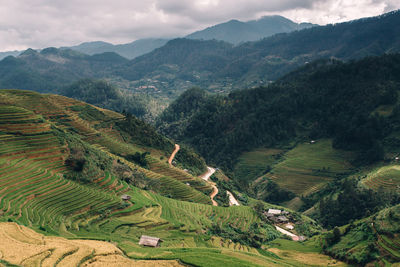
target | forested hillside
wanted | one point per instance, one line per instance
(332, 99)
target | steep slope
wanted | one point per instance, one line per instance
(236, 32)
(73, 170)
(374, 239)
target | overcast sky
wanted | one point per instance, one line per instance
(44, 23)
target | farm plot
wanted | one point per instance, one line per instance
(387, 178)
(308, 167)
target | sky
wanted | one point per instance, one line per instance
(44, 23)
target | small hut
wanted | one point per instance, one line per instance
(150, 241)
(274, 212)
(125, 197)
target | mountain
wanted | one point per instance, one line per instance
(236, 32)
(216, 66)
(52, 68)
(251, 64)
(9, 53)
(129, 50)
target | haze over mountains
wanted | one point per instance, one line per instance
(233, 31)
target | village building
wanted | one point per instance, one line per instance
(273, 212)
(125, 197)
(150, 241)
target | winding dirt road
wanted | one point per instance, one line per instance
(206, 176)
(171, 158)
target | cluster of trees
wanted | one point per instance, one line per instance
(141, 133)
(352, 203)
(272, 193)
(255, 236)
(103, 94)
(84, 162)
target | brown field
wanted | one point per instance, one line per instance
(22, 246)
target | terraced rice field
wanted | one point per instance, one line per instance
(195, 216)
(253, 164)
(308, 167)
(169, 186)
(180, 175)
(387, 178)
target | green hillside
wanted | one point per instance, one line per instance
(64, 166)
(324, 99)
(372, 239)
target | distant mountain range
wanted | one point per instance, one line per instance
(233, 31)
(129, 51)
(214, 65)
(236, 32)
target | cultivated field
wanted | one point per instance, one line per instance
(387, 178)
(308, 167)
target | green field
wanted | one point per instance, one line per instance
(308, 167)
(387, 178)
(38, 134)
(254, 164)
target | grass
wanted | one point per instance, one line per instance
(254, 164)
(308, 167)
(387, 178)
(35, 193)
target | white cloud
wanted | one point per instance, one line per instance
(42, 23)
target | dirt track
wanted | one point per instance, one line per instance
(171, 158)
(206, 176)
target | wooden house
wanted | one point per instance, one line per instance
(150, 241)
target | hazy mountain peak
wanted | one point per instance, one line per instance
(29, 52)
(235, 31)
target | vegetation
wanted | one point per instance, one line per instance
(353, 203)
(103, 94)
(374, 239)
(180, 64)
(35, 143)
(306, 105)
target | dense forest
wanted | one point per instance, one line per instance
(326, 98)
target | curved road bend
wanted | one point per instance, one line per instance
(206, 176)
(171, 158)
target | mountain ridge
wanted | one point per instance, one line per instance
(236, 32)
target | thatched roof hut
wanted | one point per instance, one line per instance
(150, 241)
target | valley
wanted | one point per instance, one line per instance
(106, 150)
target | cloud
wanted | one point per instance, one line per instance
(43, 23)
